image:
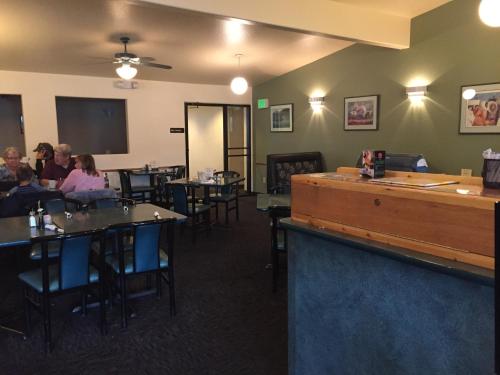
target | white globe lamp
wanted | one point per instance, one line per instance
(489, 12)
(239, 85)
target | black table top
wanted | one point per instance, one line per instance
(219, 182)
(266, 202)
(15, 231)
(105, 217)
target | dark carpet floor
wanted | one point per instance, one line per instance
(228, 321)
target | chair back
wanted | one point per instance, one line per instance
(20, 204)
(111, 202)
(125, 184)
(147, 247)
(179, 171)
(227, 189)
(179, 196)
(87, 196)
(74, 261)
(280, 168)
(55, 206)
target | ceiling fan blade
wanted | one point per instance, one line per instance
(147, 58)
(155, 65)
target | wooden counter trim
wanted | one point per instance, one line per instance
(423, 247)
(420, 194)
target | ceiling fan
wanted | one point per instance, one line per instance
(128, 60)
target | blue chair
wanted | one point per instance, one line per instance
(145, 256)
(73, 272)
(225, 195)
(198, 212)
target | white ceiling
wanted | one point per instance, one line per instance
(76, 36)
(404, 8)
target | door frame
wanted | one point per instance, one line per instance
(225, 140)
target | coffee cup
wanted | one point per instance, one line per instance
(52, 184)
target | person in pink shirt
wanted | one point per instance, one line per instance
(84, 177)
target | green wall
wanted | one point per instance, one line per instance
(450, 47)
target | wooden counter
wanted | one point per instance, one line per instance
(451, 221)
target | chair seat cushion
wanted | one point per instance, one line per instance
(198, 208)
(114, 263)
(33, 278)
(222, 197)
(53, 251)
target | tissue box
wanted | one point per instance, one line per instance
(491, 173)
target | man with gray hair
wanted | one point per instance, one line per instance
(60, 167)
(12, 159)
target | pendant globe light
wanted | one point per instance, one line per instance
(239, 85)
(489, 12)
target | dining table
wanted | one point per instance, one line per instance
(15, 232)
(217, 182)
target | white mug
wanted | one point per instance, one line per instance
(52, 184)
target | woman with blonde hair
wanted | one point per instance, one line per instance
(84, 177)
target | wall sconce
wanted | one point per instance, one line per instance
(416, 93)
(317, 103)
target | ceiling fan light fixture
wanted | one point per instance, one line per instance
(126, 71)
(239, 85)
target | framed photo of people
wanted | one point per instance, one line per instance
(480, 109)
(361, 113)
(282, 118)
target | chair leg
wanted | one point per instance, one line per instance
(148, 281)
(276, 259)
(123, 297)
(227, 213)
(158, 283)
(237, 209)
(47, 323)
(84, 301)
(216, 211)
(27, 311)
(102, 307)
(171, 291)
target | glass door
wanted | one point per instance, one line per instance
(237, 147)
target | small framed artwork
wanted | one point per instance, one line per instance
(282, 118)
(480, 109)
(361, 113)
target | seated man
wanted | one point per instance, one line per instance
(12, 158)
(59, 168)
(44, 153)
(24, 175)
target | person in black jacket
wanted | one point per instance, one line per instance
(44, 152)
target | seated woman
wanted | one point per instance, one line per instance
(24, 175)
(84, 177)
(12, 158)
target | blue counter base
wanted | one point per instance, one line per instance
(353, 310)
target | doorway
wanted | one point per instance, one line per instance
(218, 136)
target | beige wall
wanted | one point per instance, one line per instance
(151, 109)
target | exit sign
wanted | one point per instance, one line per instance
(262, 103)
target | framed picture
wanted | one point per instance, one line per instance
(481, 112)
(282, 118)
(361, 113)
